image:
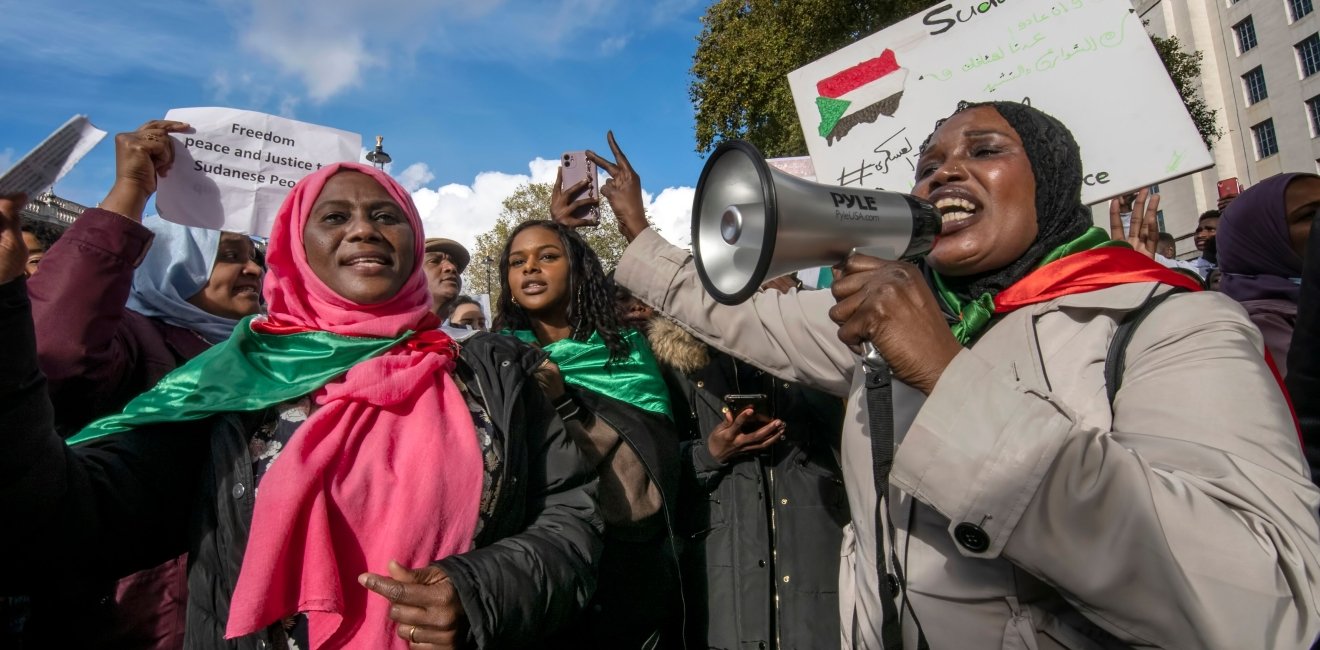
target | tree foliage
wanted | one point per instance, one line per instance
(532, 201)
(746, 50)
(1185, 70)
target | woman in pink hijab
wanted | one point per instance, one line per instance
(342, 473)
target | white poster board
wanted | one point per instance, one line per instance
(52, 159)
(234, 168)
(866, 109)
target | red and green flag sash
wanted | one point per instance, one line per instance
(1091, 262)
(249, 371)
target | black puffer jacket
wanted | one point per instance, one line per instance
(638, 604)
(130, 501)
(762, 533)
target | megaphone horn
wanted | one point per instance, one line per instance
(751, 223)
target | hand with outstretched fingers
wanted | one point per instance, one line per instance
(623, 190)
(425, 605)
(1144, 229)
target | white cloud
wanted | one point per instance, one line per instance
(671, 212)
(330, 45)
(415, 176)
(462, 212)
(613, 44)
(334, 45)
(287, 106)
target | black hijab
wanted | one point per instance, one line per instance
(1056, 164)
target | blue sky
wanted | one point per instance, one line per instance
(473, 97)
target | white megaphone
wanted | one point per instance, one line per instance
(751, 223)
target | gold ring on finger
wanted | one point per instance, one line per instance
(412, 634)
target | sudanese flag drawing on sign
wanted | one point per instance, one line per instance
(859, 95)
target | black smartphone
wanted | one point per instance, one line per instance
(758, 402)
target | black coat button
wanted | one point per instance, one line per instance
(891, 581)
(971, 537)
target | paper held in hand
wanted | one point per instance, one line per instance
(866, 109)
(52, 159)
(232, 171)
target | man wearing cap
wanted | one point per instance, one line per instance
(444, 264)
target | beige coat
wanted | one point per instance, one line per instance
(1183, 520)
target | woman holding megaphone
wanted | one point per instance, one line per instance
(1042, 484)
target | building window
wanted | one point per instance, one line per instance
(1254, 82)
(1298, 9)
(1313, 111)
(1246, 35)
(1308, 54)
(1266, 143)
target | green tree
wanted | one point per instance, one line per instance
(746, 50)
(532, 201)
(1185, 70)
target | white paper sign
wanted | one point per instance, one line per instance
(51, 159)
(866, 109)
(235, 167)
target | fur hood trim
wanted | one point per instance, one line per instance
(675, 347)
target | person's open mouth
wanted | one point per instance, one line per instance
(956, 213)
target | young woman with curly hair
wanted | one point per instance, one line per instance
(608, 389)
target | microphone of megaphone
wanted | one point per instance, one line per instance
(751, 223)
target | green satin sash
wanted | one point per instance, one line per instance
(633, 380)
(248, 371)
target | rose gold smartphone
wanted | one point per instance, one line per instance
(577, 166)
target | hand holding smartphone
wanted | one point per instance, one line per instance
(757, 402)
(576, 167)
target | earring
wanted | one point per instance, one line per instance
(514, 299)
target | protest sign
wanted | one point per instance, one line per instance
(52, 159)
(866, 109)
(232, 171)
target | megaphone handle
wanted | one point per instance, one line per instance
(871, 357)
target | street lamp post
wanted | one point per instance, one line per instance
(378, 157)
(490, 261)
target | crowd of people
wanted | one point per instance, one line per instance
(1065, 439)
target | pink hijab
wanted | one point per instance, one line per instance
(386, 467)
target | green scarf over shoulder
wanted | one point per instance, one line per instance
(248, 371)
(634, 379)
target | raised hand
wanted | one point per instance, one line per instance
(13, 251)
(562, 210)
(140, 157)
(1144, 229)
(623, 190)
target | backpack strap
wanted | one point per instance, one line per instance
(1116, 359)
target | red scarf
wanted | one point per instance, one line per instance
(1085, 271)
